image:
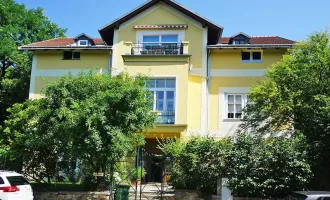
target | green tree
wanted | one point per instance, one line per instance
(94, 118)
(296, 99)
(19, 26)
(273, 167)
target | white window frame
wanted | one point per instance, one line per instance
(165, 90)
(251, 57)
(244, 102)
(159, 39)
(72, 58)
(141, 33)
(176, 97)
(79, 42)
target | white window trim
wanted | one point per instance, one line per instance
(159, 39)
(222, 115)
(141, 33)
(243, 103)
(176, 96)
(82, 41)
(72, 58)
(251, 58)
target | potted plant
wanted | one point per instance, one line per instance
(137, 175)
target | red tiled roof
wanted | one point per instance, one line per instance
(261, 40)
(59, 42)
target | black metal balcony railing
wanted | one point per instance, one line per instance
(165, 117)
(157, 49)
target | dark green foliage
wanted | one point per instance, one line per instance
(256, 167)
(198, 163)
(296, 99)
(273, 167)
(90, 117)
(19, 26)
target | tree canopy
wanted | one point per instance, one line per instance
(296, 99)
(19, 26)
(93, 118)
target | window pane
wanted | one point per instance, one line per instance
(169, 38)
(230, 98)
(151, 83)
(238, 98)
(1, 181)
(67, 55)
(160, 95)
(83, 43)
(17, 180)
(230, 115)
(76, 55)
(238, 108)
(245, 55)
(170, 83)
(238, 115)
(160, 83)
(256, 55)
(230, 108)
(160, 105)
(170, 105)
(170, 95)
(151, 38)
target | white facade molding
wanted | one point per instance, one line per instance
(204, 109)
(33, 76)
(238, 72)
(114, 50)
(62, 72)
(227, 128)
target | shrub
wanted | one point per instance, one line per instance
(267, 167)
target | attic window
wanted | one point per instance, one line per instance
(82, 43)
(240, 41)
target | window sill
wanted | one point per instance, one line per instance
(231, 120)
(71, 59)
(251, 61)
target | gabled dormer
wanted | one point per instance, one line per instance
(83, 40)
(240, 39)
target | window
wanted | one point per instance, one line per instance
(160, 39)
(17, 180)
(163, 93)
(82, 43)
(235, 104)
(161, 44)
(71, 55)
(1, 181)
(251, 56)
(239, 41)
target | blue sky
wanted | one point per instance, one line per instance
(292, 19)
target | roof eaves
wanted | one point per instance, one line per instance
(230, 46)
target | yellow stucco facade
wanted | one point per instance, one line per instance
(204, 77)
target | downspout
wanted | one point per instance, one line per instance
(110, 62)
(208, 79)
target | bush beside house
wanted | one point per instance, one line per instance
(255, 166)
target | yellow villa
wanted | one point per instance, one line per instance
(200, 79)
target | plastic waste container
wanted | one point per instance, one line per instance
(122, 192)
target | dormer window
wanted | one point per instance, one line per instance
(240, 39)
(82, 42)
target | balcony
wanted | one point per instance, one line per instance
(156, 52)
(157, 49)
(165, 117)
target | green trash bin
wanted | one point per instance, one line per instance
(122, 192)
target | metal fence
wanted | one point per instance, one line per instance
(157, 49)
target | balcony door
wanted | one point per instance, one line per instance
(160, 44)
(163, 92)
